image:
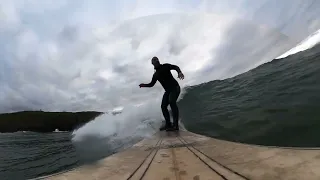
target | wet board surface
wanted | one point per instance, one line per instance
(185, 155)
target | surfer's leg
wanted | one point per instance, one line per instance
(174, 94)
(164, 108)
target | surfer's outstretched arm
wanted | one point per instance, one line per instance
(151, 84)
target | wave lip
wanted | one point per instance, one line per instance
(307, 43)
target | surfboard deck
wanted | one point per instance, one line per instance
(184, 155)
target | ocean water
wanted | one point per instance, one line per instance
(27, 154)
(275, 104)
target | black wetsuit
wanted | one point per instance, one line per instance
(172, 91)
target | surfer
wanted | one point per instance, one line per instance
(171, 94)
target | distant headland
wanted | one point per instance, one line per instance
(40, 121)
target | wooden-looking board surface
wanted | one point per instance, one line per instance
(184, 155)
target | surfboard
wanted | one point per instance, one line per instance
(185, 155)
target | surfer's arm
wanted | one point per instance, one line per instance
(151, 84)
(174, 67)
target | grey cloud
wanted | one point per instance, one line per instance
(245, 46)
(68, 34)
(294, 18)
(176, 44)
(69, 79)
(120, 68)
(135, 44)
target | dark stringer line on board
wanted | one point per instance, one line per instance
(222, 176)
(184, 141)
(151, 151)
(175, 164)
(145, 171)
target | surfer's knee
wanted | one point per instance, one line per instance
(164, 106)
(173, 105)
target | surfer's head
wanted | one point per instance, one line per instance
(155, 62)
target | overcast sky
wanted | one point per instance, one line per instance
(78, 55)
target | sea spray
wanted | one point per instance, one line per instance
(130, 121)
(111, 132)
(134, 120)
